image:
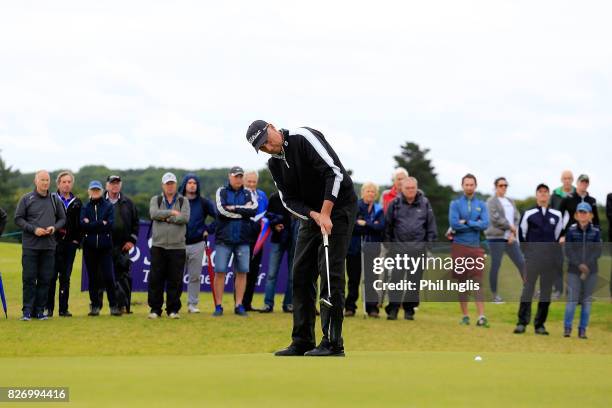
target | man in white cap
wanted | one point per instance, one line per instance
(170, 215)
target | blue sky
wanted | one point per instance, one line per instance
(521, 89)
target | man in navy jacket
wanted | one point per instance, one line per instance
(235, 207)
(540, 230)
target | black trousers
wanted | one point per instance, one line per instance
(408, 299)
(354, 273)
(123, 278)
(308, 265)
(252, 276)
(99, 264)
(37, 270)
(543, 266)
(65, 253)
(167, 266)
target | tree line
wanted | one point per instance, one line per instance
(141, 184)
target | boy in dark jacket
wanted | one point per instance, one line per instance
(583, 249)
(97, 223)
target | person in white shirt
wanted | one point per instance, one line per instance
(502, 236)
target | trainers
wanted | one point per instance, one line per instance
(465, 321)
(349, 313)
(174, 315)
(392, 314)
(26, 317)
(374, 315)
(567, 332)
(519, 329)
(240, 311)
(497, 300)
(65, 314)
(192, 309)
(266, 309)
(42, 316)
(153, 315)
(482, 322)
(218, 311)
(288, 308)
(408, 315)
(94, 311)
(582, 334)
(541, 331)
(115, 311)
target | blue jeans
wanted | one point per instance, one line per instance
(277, 251)
(577, 290)
(498, 247)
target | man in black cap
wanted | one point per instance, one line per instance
(314, 186)
(125, 235)
(569, 203)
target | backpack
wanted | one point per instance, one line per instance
(160, 199)
(159, 203)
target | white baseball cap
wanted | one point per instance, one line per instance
(168, 177)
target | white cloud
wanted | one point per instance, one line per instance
(522, 88)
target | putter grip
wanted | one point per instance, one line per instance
(325, 240)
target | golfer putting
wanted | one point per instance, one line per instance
(313, 186)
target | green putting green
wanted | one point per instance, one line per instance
(200, 360)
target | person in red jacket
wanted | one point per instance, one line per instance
(399, 175)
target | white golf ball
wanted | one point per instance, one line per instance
(477, 358)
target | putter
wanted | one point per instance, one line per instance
(326, 302)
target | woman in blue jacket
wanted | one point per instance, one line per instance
(369, 227)
(97, 223)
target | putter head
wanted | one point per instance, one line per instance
(325, 302)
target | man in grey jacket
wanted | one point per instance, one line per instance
(409, 220)
(170, 213)
(39, 215)
(502, 234)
